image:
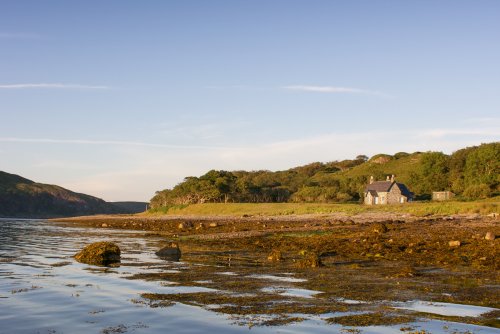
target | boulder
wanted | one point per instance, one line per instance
(170, 252)
(490, 236)
(101, 253)
(454, 243)
(185, 225)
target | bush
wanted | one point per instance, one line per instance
(477, 191)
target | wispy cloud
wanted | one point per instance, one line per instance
(51, 86)
(483, 120)
(334, 90)
(441, 133)
(103, 142)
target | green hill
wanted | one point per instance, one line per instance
(20, 197)
(471, 173)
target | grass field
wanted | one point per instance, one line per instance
(279, 209)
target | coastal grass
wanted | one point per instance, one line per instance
(283, 209)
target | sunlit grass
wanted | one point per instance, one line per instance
(283, 209)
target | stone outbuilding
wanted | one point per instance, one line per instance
(442, 195)
(386, 192)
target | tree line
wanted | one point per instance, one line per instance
(471, 173)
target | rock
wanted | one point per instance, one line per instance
(454, 243)
(275, 256)
(310, 261)
(213, 225)
(101, 253)
(379, 228)
(170, 252)
(184, 225)
(104, 225)
(493, 215)
(490, 236)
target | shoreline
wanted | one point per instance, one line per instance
(128, 220)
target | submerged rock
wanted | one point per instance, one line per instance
(170, 252)
(101, 253)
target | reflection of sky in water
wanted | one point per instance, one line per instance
(291, 292)
(448, 309)
(43, 290)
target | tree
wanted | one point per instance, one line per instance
(362, 157)
(482, 166)
(434, 172)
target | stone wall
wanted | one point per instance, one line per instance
(394, 195)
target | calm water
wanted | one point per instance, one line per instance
(43, 290)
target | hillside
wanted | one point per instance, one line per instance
(20, 197)
(471, 173)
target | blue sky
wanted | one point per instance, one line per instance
(119, 99)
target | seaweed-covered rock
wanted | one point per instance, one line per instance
(185, 225)
(275, 256)
(171, 252)
(379, 228)
(311, 260)
(101, 253)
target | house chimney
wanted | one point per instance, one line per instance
(371, 179)
(393, 178)
(387, 178)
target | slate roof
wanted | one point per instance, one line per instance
(385, 186)
(404, 190)
(382, 186)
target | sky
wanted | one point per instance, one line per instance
(121, 98)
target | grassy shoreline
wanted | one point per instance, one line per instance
(483, 207)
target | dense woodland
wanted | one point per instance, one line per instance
(471, 173)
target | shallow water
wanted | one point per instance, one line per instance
(43, 290)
